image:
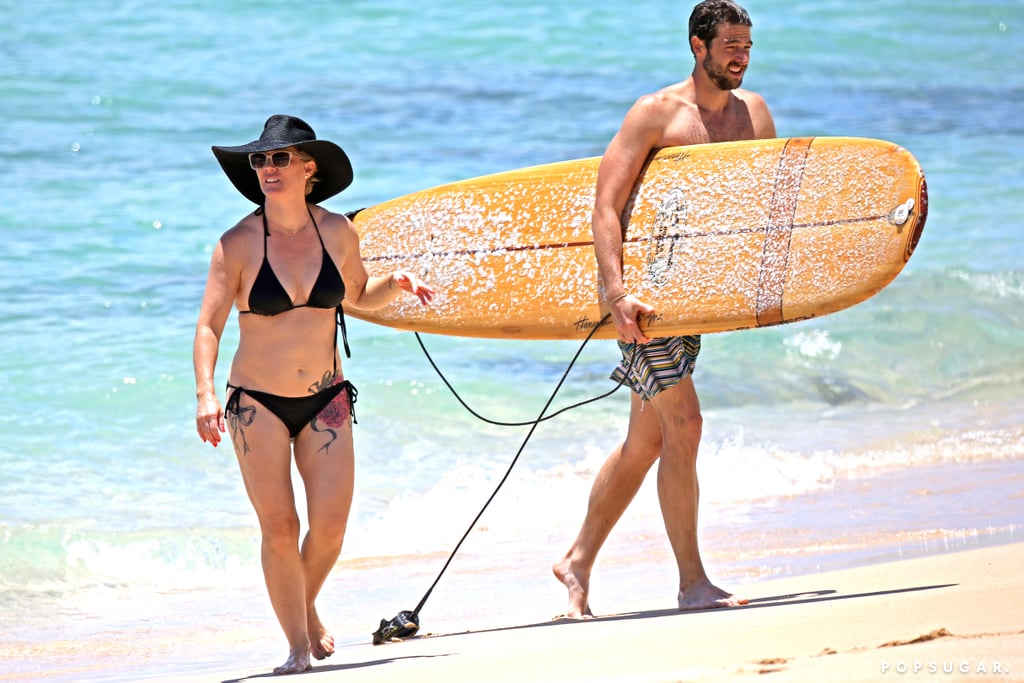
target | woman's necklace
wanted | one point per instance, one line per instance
(293, 235)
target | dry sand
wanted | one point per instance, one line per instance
(946, 617)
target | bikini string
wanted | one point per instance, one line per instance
(352, 392)
(232, 405)
(339, 313)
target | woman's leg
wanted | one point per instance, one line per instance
(325, 459)
(263, 448)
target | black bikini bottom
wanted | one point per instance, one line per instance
(296, 411)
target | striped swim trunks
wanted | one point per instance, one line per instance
(656, 366)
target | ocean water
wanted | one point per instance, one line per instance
(890, 429)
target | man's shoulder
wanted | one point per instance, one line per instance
(679, 94)
(748, 96)
(668, 103)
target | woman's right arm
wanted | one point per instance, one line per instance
(218, 297)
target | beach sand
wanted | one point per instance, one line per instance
(956, 616)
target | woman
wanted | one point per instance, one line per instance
(286, 267)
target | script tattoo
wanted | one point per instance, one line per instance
(325, 381)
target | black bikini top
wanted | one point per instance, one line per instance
(268, 296)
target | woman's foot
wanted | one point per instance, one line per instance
(298, 661)
(321, 641)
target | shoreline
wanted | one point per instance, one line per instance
(964, 608)
(856, 624)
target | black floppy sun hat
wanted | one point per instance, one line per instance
(333, 169)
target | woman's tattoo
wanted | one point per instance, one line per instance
(243, 418)
(335, 414)
(326, 381)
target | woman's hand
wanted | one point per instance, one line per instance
(408, 282)
(210, 419)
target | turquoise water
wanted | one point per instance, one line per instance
(112, 202)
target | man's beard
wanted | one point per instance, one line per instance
(721, 76)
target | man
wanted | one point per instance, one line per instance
(665, 419)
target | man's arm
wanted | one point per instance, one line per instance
(638, 136)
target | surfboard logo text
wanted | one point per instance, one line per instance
(586, 323)
(645, 320)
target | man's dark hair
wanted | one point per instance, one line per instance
(707, 15)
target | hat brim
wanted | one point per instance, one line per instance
(333, 168)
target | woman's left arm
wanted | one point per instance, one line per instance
(369, 292)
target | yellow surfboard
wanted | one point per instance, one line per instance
(718, 237)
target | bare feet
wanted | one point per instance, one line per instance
(578, 585)
(298, 661)
(703, 595)
(321, 641)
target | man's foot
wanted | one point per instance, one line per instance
(704, 595)
(578, 586)
(298, 661)
(321, 641)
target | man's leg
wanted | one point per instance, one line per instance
(614, 487)
(679, 416)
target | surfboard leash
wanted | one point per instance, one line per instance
(499, 423)
(406, 623)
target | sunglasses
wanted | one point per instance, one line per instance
(259, 160)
